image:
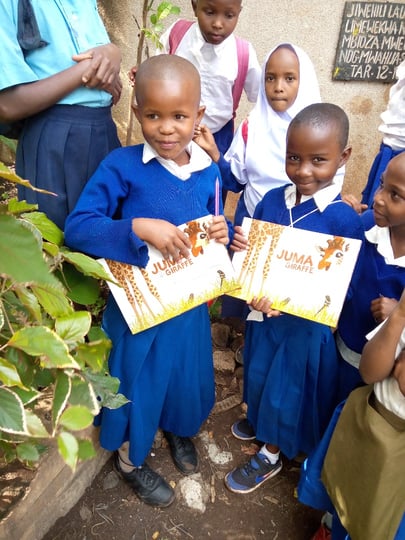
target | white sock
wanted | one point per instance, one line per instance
(273, 458)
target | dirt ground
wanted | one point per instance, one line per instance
(204, 508)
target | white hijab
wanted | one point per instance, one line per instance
(261, 164)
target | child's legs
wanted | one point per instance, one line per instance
(292, 370)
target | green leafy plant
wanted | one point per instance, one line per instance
(149, 29)
(53, 356)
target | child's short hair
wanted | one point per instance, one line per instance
(324, 115)
(165, 67)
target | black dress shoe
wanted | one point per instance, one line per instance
(147, 484)
(183, 453)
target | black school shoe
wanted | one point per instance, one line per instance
(183, 453)
(147, 484)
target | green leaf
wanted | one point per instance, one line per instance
(96, 333)
(63, 387)
(26, 395)
(115, 401)
(21, 257)
(106, 388)
(86, 449)
(41, 341)
(74, 328)
(68, 449)
(35, 426)
(157, 28)
(76, 417)
(11, 176)
(14, 206)
(12, 414)
(51, 249)
(85, 264)
(93, 354)
(84, 290)
(29, 301)
(27, 452)
(46, 227)
(103, 384)
(165, 9)
(83, 394)
(10, 143)
(7, 451)
(52, 299)
(9, 374)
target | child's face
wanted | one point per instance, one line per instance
(217, 18)
(282, 79)
(389, 199)
(168, 113)
(313, 156)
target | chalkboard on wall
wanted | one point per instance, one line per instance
(371, 41)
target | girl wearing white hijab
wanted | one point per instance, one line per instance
(255, 161)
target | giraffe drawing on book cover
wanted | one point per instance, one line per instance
(124, 274)
(259, 233)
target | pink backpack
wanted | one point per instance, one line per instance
(242, 48)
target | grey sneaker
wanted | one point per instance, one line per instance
(250, 476)
(243, 430)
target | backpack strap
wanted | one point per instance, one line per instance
(177, 33)
(242, 51)
(244, 129)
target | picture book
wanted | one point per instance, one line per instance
(302, 272)
(165, 288)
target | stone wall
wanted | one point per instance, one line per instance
(312, 24)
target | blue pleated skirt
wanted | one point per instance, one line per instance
(290, 374)
(58, 150)
(167, 374)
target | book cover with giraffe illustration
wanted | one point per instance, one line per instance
(302, 272)
(164, 288)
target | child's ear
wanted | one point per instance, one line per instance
(200, 114)
(344, 158)
(136, 111)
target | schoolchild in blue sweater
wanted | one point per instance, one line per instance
(381, 275)
(141, 194)
(290, 363)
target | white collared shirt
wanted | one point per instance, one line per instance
(322, 198)
(381, 237)
(393, 126)
(218, 68)
(199, 160)
(387, 391)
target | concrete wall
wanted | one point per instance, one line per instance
(312, 24)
